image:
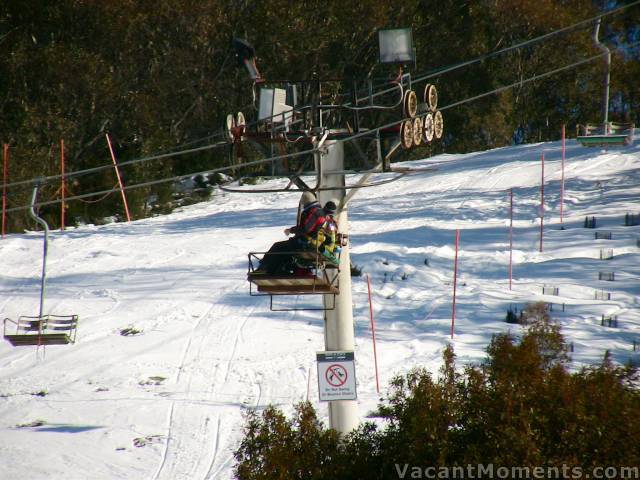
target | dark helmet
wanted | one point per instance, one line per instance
(330, 207)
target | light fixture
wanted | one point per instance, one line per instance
(396, 46)
(273, 106)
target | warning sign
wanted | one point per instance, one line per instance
(336, 376)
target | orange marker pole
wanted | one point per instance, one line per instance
(115, 165)
(373, 334)
(510, 237)
(5, 176)
(564, 152)
(455, 283)
(542, 203)
(62, 186)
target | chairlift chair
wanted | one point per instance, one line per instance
(609, 134)
(316, 276)
(41, 329)
(605, 134)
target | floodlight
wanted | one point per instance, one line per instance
(273, 105)
(246, 56)
(396, 46)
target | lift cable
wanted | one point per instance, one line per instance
(351, 138)
(451, 68)
(434, 73)
(170, 179)
(497, 90)
(443, 70)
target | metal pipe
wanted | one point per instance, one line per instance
(604, 108)
(32, 214)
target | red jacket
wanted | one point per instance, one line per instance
(311, 220)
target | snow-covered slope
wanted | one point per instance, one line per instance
(167, 403)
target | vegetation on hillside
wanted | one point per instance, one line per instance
(161, 75)
(522, 407)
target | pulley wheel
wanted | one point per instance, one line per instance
(417, 131)
(406, 134)
(431, 96)
(240, 121)
(438, 125)
(427, 129)
(230, 124)
(410, 105)
(241, 124)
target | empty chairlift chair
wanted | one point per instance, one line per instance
(607, 135)
(41, 329)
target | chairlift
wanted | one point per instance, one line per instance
(605, 134)
(41, 329)
(314, 275)
(608, 135)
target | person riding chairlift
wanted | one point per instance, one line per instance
(324, 241)
(280, 257)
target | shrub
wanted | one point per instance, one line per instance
(356, 271)
(520, 407)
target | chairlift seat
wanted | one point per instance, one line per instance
(317, 259)
(315, 281)
(45, 330)
(292, 284)
(614, 134)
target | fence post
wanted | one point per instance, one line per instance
(5, 176)
(115, 165)
(373, 334)
(455, 282)
(542, 202)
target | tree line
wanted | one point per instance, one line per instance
(161, 75)
(521, 410)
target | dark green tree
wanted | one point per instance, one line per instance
(521, 407)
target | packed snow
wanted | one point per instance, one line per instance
(167, 401)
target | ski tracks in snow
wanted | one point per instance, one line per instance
(195, 434)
